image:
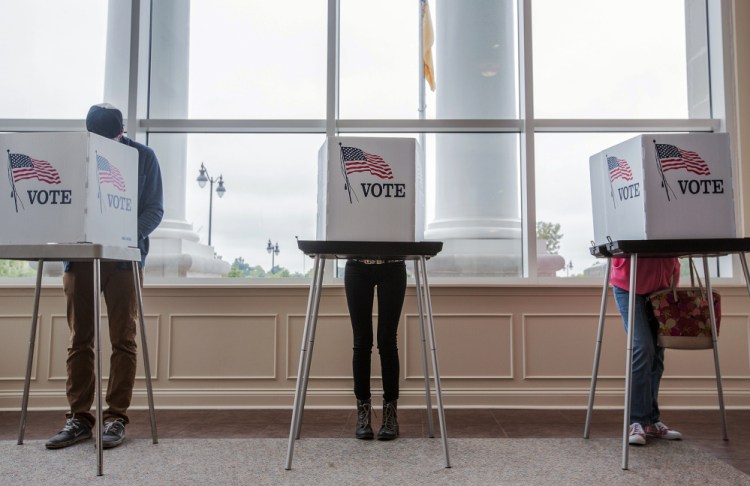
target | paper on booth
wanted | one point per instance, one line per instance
(370, 189)
(70, 187)
(663, 186)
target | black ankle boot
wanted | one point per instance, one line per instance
(364, 417)
(389, 430)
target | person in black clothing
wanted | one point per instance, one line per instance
(360, 280)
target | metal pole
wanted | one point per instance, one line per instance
(714, 337)
(629, 360)
(30, 359)
(98, 359)
(435, 369)
(598, 350)
(144, 350)
(420, 308)
(300, 389)
(210, 206)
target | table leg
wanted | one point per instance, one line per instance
(629, 360)
(303, 373)
(714, 337)
(98, 364)
(435, 369)
(144, 351)
(598, 350)
(30, 358)
(310, 343)
(420, 307)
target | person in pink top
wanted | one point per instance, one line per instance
(652, 274)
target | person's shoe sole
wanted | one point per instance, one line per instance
(109, 444)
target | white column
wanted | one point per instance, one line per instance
(477, 207)
(175, 247)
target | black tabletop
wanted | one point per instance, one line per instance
(672, 248)
(382, 250)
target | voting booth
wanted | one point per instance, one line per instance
(663, 186)
(370, 189)
(68, 187)
(662, 196)
(370, 207)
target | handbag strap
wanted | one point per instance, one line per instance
(694, 276)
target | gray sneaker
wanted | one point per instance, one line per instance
(75, 430)
(114, 433)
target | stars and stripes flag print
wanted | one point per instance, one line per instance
(356, 160)
(109, 174)
(673, 158)
(619, 169)
(24, 167)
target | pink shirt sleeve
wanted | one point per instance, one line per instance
(653, 274)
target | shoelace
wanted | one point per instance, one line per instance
(115, 424)
(71, 425)
(364, 414)
(389, 421)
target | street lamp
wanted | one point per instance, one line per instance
(203, 177)
(273, 250)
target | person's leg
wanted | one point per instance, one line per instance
(391, 289)
(122, 311)
(644, 352)
(78, 287)
(359, 298)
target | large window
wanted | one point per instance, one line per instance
(52, 57)
(248, 90)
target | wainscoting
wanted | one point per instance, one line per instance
(498, 346)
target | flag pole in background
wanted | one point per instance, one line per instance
(426, 66)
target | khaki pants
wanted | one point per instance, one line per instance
(122, 310)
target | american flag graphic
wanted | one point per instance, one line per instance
(356, 160)
(673, 158)
(619, 169)
(24, 167)
(109, 174)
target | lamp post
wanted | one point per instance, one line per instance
(203, 177)
(273, 250)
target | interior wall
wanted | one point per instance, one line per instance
(238, 347)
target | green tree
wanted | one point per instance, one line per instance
(15, 268)
(551, 233)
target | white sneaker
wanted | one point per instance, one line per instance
(661, 431)
(637, 435)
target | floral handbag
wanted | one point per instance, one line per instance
(684, 317)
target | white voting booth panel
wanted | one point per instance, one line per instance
(68, 187)
(663, 186)
(370, 189)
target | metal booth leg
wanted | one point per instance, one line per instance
(714, 337)
(305, 357)
(144, 350)
(420, 308)
(30, 359)
(629, 360)
(598, 349)
(435, 369)
(98, 366)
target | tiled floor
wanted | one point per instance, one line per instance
(702, 428)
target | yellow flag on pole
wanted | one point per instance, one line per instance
(428, 39)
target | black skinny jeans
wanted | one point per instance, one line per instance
(360, 280)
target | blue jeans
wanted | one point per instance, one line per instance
(648, 359)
